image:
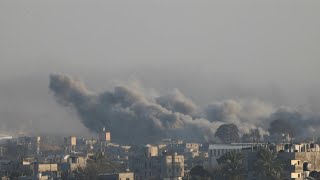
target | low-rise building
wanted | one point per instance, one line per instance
(117, 176)
(299, 160)
(154, 166)
(217, 150)
(75, 161)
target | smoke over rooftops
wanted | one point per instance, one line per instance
(133, 116)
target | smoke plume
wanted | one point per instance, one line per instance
(129, 114)
(133, 116)
(177, 102)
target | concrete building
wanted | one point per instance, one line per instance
(32, 144)
(105, 136)
(46, 171)
(191, 150)
(300, 160)
(117, 176)
(217, 150)
(70, 143)
(194, 146)
(104, 140)
(172, 166)
(152, 165)
(150, 151)
(75, 161)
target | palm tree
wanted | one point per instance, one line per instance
(232, 165)
(268, 166)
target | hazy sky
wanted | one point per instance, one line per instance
(210, 50)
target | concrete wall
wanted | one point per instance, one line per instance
(47, 167)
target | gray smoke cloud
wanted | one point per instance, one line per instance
(251, 114)
(298, 122)
(246, 114)
(134, 116)
(178, 102)
(129, 114)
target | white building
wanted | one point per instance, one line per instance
(217, 150)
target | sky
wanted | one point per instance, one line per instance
(209, 50)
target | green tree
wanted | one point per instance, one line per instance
(268, 166)
(231, 166)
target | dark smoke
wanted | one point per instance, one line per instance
(294, 122)
(128, 113)
(177, 102)
(133, 116)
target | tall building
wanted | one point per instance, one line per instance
(153, 165)
(32, 144)
(172, 166)
(105, 136)
(104, 139)
(70, 143)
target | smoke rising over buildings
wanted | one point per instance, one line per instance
(134, 116)
(128, 113)
(212, 51)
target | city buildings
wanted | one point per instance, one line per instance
(117, 176)
(154, 165)
(217, 150)
(38, 158)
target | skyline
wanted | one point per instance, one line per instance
(210, 51)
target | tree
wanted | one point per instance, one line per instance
(228, 133)
(198, 173)
(252, 137)
(268, 166)
(97, 164)
(232, 165)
